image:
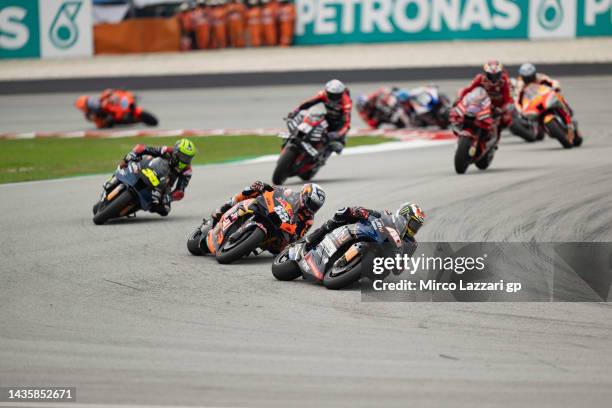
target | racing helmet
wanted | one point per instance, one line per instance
(493, 70)
(414, 216)
(312, 197)
(527, 72)
(81, 103)
(334, 90)
(362, 102)
(184, 151)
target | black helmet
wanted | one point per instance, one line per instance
(414, 216)
(312, 197)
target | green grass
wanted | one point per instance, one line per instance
(39, 159)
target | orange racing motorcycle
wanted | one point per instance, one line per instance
(267, 222)
(116, 107)
(476, 127)
(542, 107)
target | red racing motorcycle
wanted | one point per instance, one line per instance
(476, 127)
(304, 148)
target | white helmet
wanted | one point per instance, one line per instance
(334, 90)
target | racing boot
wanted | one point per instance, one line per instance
(160, 202)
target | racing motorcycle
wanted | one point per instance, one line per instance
(426, 106)
(267, 222)
(345, 255)
(542, 105)
(304, 147)
(117, 108)
(476, 128)
(131, 189)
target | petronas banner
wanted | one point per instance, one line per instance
(345, 21)
(45, 28)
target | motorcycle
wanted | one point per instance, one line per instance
(476, 128)
(426, 106)
(116, 108)
(267, 222)
(131, 189)
(542, 105)
(304, 147)
(344, 256)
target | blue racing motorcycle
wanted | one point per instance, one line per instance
(345, 254)
(130, 189)
(425, 106)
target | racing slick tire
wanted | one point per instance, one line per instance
(484, 162)
(196, 243)
(285, 269)
(246, 244)
(462, 157)
(115, 208)
(283, 166)
(519, 128)
(338, 278)
(148, 118)
(556, 130)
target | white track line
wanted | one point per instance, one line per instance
(349, 151)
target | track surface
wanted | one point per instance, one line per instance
(122, 312)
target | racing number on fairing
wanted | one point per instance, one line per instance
(150, 174)
(282, 213)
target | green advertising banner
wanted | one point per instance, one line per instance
(19, 34)
(45, 28)
(347, 21)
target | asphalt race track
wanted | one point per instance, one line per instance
(123, 313)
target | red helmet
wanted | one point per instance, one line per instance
(493, 70)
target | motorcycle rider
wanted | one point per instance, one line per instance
(382, 106)
(495, 80)
(528, 74)
(179, 158)
(410, 212)
(310, 199)
(337, 101)
(102, 109)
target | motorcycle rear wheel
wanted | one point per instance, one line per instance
(243, 248)
(484, 162)
(114, 208)
(519, 128)
(285, 269)
(333, 281)
(462, 157)
(148, 118)
(283, 166)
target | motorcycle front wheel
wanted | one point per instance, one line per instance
(119, 207)
(556, 130)
(462, 156)
(285, 269)
(283, 166)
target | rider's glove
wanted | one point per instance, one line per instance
(131, 156)
(292, 114)
(261, 187)
(122, 164)
(216, 216)
(177, 195)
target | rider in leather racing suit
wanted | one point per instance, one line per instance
(528, 74)
(311, 199)
(179, 158)
(382, 106)
(412, 213)
(496, 82)
(337, 101)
